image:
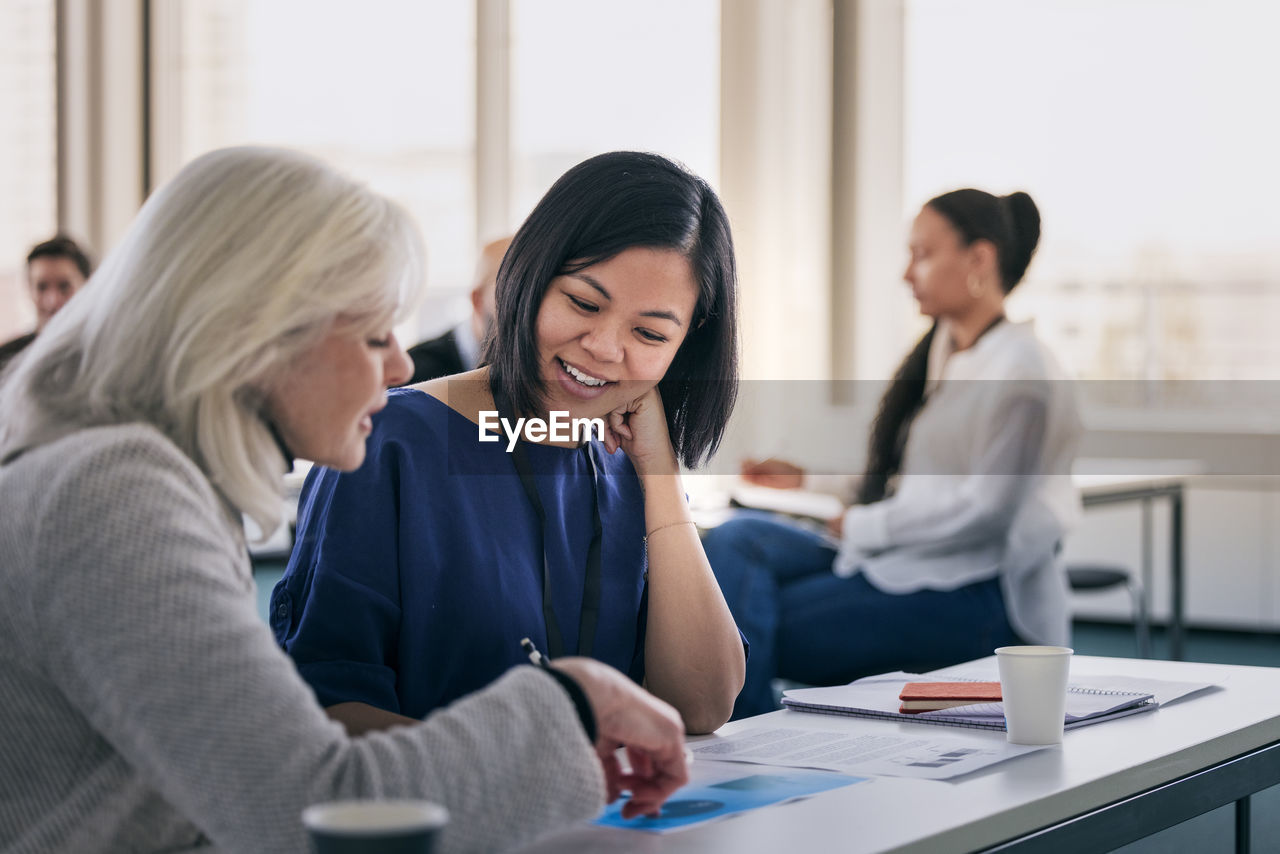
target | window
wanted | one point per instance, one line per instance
(28, 146)
(388, 92)
(1141, 129)
(382, 89)
(590, 76)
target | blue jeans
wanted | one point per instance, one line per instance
(808, 625)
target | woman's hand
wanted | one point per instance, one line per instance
(693, 653)
(650, 730)
(640, 429)
(778, 474)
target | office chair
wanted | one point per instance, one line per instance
(1084, 577)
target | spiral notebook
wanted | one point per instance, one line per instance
(877, 697)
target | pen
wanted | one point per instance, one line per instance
(535, 658)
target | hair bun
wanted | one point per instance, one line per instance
(1024, 217)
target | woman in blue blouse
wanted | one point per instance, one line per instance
(414, 579)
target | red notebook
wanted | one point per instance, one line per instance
(973, 692)
(934, 696)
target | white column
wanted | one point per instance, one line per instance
(493, 119)
(775, 175)
(869, 253)
(100, 118)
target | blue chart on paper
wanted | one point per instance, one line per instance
(697, 804)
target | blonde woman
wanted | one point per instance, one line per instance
(246, 316)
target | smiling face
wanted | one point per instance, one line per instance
(607, 333)
(324, 402)
(940, 266)
(52, 279)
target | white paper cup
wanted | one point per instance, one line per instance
(375, 827)
(1033, 685)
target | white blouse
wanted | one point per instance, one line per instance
(985, 485)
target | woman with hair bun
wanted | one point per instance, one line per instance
(951, 547)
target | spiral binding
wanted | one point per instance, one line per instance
(1106, 692)
(893, 716)
(1071, 689)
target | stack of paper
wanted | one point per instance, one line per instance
(877, 697)
(793, 502)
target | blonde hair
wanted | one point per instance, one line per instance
(230, 272)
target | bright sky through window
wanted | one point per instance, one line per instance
(1143, 128)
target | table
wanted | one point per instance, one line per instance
(1149, 480)
(279, 546)
(1107, 785)
(1101, 481)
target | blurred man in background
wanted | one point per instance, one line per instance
(458, 349)
(56, 270)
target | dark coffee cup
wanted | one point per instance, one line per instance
(375, 827)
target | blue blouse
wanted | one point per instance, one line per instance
(414, 578)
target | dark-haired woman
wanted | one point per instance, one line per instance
(951, 547)
(415, 578)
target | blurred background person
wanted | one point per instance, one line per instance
(458, 349)
(56, 270)
(952, 547)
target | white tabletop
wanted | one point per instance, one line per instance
(1095, 765)
(1087, 470)
(1093, 475)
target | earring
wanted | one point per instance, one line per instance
(974, 285)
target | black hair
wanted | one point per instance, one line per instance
(1010, 223)
(599, 208)
(62, 246)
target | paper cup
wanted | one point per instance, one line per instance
(1033, 685)
(374, 827)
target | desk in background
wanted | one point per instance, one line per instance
(1104, 482)
(1101, 482)
(279, 545)
(1108, 785)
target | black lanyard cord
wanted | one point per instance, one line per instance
(590, 616)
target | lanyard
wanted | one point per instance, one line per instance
(591, 582)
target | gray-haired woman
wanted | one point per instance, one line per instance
(246, 316)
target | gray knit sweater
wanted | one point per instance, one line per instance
(145, 707)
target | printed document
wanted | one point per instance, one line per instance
(927, 757)
(699, 803)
